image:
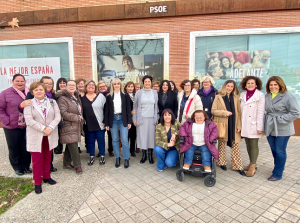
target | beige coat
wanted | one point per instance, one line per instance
(195, 105)
(36, 124)
(219, 112)
(253, 112)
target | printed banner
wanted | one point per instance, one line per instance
(33, 70)
(130, 67)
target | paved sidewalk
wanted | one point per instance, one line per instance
(141, 194)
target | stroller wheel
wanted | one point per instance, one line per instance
(180, 175)
(209, 181)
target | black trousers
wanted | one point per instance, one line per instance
(132, 138)
(16, 142)
(110, 147)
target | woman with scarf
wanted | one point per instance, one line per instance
(226, 109)
(129, 89)
(14, 125)
(207, 94)
(253, 109)
(42, 118)
(50, 93)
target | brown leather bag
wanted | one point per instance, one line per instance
(222, 130)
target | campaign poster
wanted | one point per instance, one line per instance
(33, 69)
(130, 67)
(235, 65)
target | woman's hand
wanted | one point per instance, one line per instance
(80, 117)
(173, 138)
(107, 128)
(229, 113)
(238, 130)
(259, 132)
(129, 126)
(26, 103)
(133, 112)
(171, 143)
(186, 116)
(135, 123)
(47, 131)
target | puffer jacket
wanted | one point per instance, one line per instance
(72, 128)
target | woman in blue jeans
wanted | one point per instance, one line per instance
(167, 141)
(199, 133)
(281, 110)
(118, 116)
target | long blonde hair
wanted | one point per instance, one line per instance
(222, 90)
(115, 80)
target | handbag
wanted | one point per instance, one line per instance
(221, 130)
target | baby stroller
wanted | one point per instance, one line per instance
(197, 169)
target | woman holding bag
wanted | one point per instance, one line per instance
(226, 109)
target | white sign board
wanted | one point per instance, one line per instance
(33, 70)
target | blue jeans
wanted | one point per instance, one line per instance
(165, 158)
(205, 154)
(91, 137)
(118, 123)
(278, 147)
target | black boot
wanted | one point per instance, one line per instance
(126, 163)
(150, 153)
(38, 189)
(118, 160)
(144, 157)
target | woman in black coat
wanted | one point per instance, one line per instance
(167, 98)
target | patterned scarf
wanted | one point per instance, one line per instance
(43, 105)
(21, 120)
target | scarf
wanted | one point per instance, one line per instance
(43, 105)
(207, 92)
(21, 93)
(182, 105)
(131, 95)
(229, 103)
(273, 94)
(49, 94)
(249, 94)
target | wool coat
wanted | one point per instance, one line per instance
(195, 105)
(162, 137)
(252, 114)
(36, 124)
(9, 113)
(170, 103)
(72, 129)
(219, 112)
(280, 113)
(210, 134)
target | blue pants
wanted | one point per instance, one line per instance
(205, 154)
(99, 136)
(278, 147)
(165, 158)
(118, 123)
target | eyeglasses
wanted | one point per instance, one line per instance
(102, 86)
(48, 84)
(91, 85)
(71, 85)
(188, 85)
(206, 82)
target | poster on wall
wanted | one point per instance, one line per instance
(33, 70)
(235, 65)
(130, 67)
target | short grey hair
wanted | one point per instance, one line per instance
(210, 78)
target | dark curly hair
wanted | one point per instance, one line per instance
(147, 76)
(167, 110)
(258, 82)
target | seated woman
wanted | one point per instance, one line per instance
(167, 141)
(199, 133)
(42, 118)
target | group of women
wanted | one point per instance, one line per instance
(150, 120)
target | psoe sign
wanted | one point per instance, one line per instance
(156, 9)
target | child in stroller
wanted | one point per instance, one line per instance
(198, 151)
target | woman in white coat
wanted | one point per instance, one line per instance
(42, 118)
(253, 108)
(188, 101)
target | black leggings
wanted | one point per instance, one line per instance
(132, 138)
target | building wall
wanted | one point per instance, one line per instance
(31, 5)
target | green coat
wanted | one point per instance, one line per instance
(162, 138)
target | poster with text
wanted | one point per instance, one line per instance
(33, 70)
(130, 67)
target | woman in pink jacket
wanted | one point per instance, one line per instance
(199, 133)
(253, 109)
(42, 118)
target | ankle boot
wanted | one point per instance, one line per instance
(150, 153)
(251, 171)
(126, 163)
(144, 157)
(118, 160)
(247, 167)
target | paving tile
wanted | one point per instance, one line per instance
(282, 220)
(176, 208)
(138, 217)
(74, 218)
(85, 212)
(78, 221)
(149, 212)
(167, 213)
(90, 218)
(142, 205)
(114, 209)
(168, 202)
(262, 219)
(104, 213)
(120, 215)
(243, 219)
(275, 211)
(157, 218)
(195, 220)
(127, 220)
(270, 216)
(151, 201)
(186, 215)
(131, 210)
(293, 211)
(176, 219)
(159, 207)
(108, 219)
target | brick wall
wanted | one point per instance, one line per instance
(33, 5)
(178, 27)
